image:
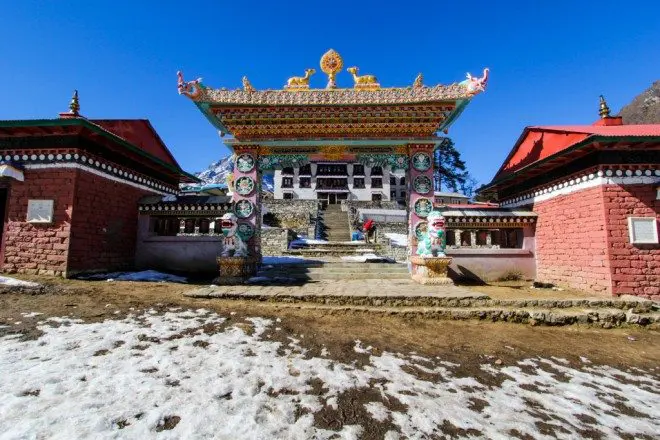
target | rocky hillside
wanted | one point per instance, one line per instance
(645, 108)
(217, 173)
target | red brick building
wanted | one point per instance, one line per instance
(596, 191)
(69, 191)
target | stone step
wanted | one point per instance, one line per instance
(295, 278)
(347, 271)
(309, 252)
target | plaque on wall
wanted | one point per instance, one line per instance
(643, 230)
(40, 211)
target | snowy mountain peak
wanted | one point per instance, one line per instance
(217, 173)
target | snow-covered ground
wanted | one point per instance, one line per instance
(9, 281)
(192, 374)
(145, 275)
(397, 239)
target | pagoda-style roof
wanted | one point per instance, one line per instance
(365, 111)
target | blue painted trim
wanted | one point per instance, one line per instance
(347, 142)
(205, 109)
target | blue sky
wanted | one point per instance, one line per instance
(549, 61)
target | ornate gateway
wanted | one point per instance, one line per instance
(311, 120)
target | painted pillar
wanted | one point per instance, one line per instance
(420, 202)
(247, 197)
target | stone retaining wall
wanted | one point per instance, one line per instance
(297, 215)
(274, 241)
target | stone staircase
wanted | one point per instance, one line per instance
(336, 223)
(333, 249)
(299, 273)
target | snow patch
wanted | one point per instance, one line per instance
(397, 239)
(8, 281)
(145, 275)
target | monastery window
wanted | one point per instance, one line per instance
(287, 196)
(305, 170)
(466, 238)
(376, 197)
(287, 182)
(377, 183)
(402, 181)
(392, 195)
(358, 170)
(287, 171)
(336, 183)
(495, 237)
(377, 171)
(440, 200)
(392, 180)
(402, 195)
(332, 170)
(305, 182)
(358, 182)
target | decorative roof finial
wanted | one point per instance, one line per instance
(604, 111)
(331, 65)
(74, 105)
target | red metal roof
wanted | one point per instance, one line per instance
(540, 142)
(140, 133)
(612, 130)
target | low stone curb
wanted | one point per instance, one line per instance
(638, 305)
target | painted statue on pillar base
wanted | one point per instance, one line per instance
(431, 264)
(232, 245)
(435, 240)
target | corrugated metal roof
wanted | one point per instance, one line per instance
(449, 194)
(606, 130)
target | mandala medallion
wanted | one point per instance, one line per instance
(245, 163)
(244, 185)
(245, 231)
(243, 209)
(423, 207)
(422, 184)
(421, 161)
(331, 65)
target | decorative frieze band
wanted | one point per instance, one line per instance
(89, 163)
(585, 180)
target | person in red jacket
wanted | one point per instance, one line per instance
(369, 228)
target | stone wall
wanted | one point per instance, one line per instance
(633, 267)
(104, 224)
(275, 240)
(571, 241)
(298, 215)
(39, 248)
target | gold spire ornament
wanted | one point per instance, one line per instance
(419, 82)
(74, 105)
(604, 110)
(247, 86)
(331, 65)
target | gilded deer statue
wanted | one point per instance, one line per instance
(300, 82)
(364, 81)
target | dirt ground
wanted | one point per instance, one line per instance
(462, 342)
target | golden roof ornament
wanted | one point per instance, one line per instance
(74, 105)
(419, 82)
(297, 83)
(363, 82)
(604, 110)
(247, 86)
(331, 65)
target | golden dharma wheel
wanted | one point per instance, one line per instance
(331, 65)
(331, 62)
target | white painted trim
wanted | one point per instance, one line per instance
(631, 230)
(43, 166)
(10, 171)
(586, 181)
